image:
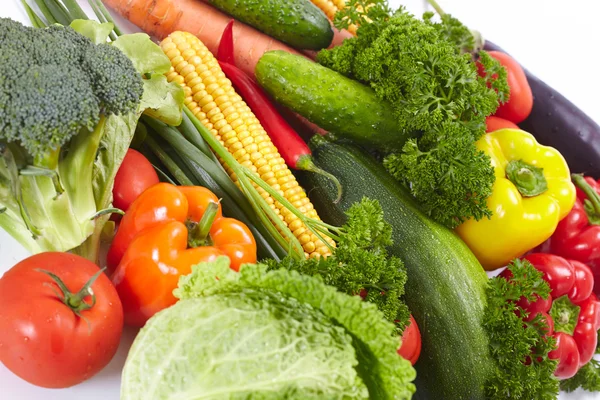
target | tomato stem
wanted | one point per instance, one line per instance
(199, 232)
(75, 301)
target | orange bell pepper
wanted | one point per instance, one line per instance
(166, 230)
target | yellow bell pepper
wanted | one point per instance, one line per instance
(532, 193)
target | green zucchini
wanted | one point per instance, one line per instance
(336, 103)
(446, 284)
(298, 23)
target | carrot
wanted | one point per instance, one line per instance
(159, 18)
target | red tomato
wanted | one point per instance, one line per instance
(567, 354)
(42, 340)
(494, 123)
(135, 175)
(519, 105)
(584, 282)
(411, 342)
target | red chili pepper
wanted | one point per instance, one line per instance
(573, 316)
(577, 236)
(225, 51)
(293, 149)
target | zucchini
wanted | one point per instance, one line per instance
(334, 102)
(446, 284)
(556, 122)
(298, 23)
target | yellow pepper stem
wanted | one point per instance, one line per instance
(529, 179)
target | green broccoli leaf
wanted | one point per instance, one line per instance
(147, 56)
(97, 33)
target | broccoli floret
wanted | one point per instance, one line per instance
(111, 72)
(46, 113)
(54, 82)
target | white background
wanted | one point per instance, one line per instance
(559, 41)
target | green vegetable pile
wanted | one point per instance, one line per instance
(361, 264)
(265, 335)
(69, 106)
(513, 340)
(422, 70)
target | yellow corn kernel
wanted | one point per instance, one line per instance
(210, 96)
(330, 7)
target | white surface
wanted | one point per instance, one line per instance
(556, 40)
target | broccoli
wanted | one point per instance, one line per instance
(56, 82)
(69, 106)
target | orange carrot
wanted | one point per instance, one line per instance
(159, 18)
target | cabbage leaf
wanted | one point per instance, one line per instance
(265, 335)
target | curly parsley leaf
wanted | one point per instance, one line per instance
(454, 32)
(361, 263)
(446, 173)
(519, 348)
(438, 96)
(360, 12)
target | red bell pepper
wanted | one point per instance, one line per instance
(577, 236)
(573, 312)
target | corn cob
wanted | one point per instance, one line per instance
(210, 96)
(330, 7)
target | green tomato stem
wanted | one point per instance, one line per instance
(75, 301)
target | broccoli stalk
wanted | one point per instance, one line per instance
(69, 105)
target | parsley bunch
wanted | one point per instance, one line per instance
(513, 340)
(426, 72)
(361, 263)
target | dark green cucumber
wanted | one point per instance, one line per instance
(325, 97)
(298, 23)
(446, 284)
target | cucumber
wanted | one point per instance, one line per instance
(336, 103)
(298, 23)
(446, 284)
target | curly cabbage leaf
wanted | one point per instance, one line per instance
(265, 335)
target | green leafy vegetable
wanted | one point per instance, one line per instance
(426, 72)
(513, 341)
(587, 378)
(447, 161)
(69, 105)
(265, 335)
(361, 262)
